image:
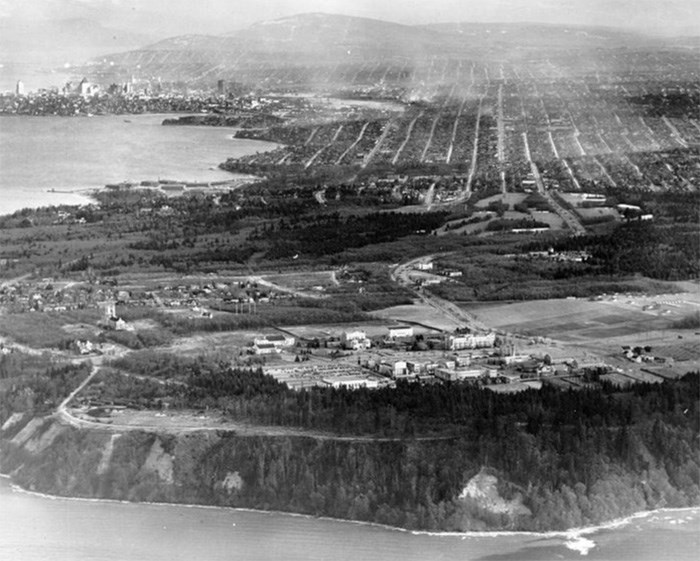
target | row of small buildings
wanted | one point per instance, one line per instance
(358, 340)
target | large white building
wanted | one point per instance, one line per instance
(356, 340)
(278, 341)
(351, 382)
(400, 331)
(471, 341)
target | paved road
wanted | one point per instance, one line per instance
(401, 275)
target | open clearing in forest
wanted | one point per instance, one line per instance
(303, 281)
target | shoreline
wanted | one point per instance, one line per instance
(570, 534)
(19, 195)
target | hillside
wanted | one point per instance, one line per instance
(539, 463)
(348, 46)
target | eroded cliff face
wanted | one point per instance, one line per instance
(438, 485)
(408, 484)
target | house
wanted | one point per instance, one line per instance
(355, 340)
(400, 332)
(425, 266)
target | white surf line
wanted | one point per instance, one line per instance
(408, 137)
(674, 131)
(312, 159)
(604, 171)
(380, 141)
(472, 166)
(352, 146)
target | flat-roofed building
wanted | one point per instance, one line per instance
(400, 332)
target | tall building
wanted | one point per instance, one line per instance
(19, 88)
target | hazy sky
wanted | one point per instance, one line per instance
(159, 17)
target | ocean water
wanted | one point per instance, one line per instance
(35, 527)
(71, 154)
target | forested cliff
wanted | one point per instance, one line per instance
(578, 458)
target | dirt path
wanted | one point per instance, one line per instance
(188, 422)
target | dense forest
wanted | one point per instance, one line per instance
(660, 252)
(329, 234)
(35, 383)
(565, 458)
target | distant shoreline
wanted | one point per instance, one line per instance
(55, 186)
(571, 533)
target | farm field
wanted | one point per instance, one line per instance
(418, 313)
(40, 330)
(583, 321)
(303, 281)
(230, 342)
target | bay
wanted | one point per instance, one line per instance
(35, 527)
(73, 154)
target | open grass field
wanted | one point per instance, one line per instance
(554, 220)
(617, 379)
(597, 212)
(303, 281)
(228, 343)
(41, 330)
(420, 314)
(683, 351)
(508, 198)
